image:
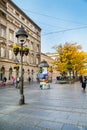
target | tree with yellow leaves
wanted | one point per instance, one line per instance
(70, 57)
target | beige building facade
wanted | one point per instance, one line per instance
(54, 57)
(11, 19)
(47, 58)
(50, 58)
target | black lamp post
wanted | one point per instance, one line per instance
(21, 38)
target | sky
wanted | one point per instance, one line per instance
(60, 21)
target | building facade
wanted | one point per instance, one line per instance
(54, 57)
(11, 19)
(50, 58)
(47, 58)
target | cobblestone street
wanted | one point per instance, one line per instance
(63, 107)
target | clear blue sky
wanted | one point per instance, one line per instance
(60, 20)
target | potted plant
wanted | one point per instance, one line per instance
(26, 50)
(16, 67)
(15, 49)
(40, 70)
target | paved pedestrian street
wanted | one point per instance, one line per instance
(63, 107)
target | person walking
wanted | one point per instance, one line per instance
(29, 79)
(17, 82)
(84, 83)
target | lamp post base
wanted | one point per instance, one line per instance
(22, 100)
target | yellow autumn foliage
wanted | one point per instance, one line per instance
(71, 52)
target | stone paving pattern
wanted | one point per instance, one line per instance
(63, 107)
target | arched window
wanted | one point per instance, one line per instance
(23, 71)
(2, 72)
(32, 72)
(10, 73)
(28, 71)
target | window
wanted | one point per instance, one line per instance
(27, 22)
(17, 14)
(16, 39)
(10, 8)
(10, 73)
(30, 25)
(32, 72)
(28, 71)
(3, 31)
(28, 59)
(2, 72)
(11, 35)
(10, 19)
(17, 23)
(10, 54)
(37, 61)
(23, 18)
(32, 59)
(37, 48)
(2, 14)
(2, 52)
(3, 2)
(32, 46)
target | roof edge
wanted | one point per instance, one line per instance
(10, 1)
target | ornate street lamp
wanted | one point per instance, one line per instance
(21, 39)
